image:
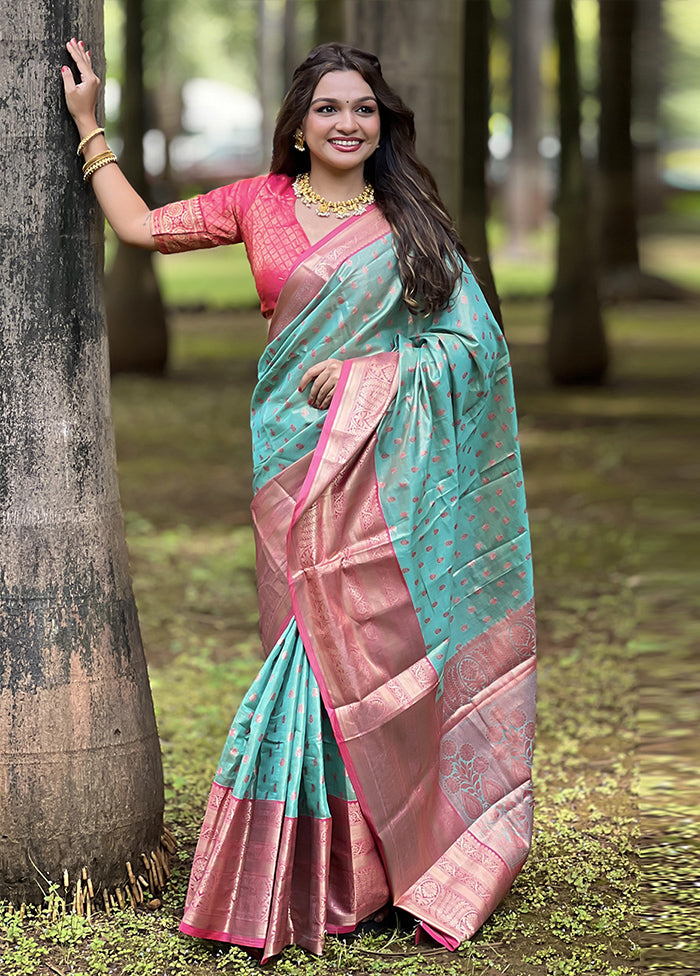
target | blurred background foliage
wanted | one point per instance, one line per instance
(218, 40)
(214, 74)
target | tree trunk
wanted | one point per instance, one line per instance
(80, 771)
(526, 191)
(617, 239)
(270, 68)
(330, 21)
(476, 101)
(622, 279)
(138, 333)
(291, 56)
(649, 62)
(419, 44)
(577, 351)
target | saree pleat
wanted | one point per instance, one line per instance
(283, 833)
(385, 749)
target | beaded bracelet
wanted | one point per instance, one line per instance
(97, 162)
(99, 155)
(83, 142)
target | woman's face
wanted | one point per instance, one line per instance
(342, 125)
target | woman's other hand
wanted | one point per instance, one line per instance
(81, 99)
(324, 378)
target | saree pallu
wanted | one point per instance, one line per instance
(384, 752)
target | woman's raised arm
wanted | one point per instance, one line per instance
(126, 212)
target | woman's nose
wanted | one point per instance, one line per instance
(346, 120)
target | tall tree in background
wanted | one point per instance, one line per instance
(330, 21)
(618, 232)
(420, 47)
(576, 349)
(618, 247)
(291, 55)
(80, 774)
(138, 334)
(270, 68)
(649, 59)
(472, 222)
(526, 195)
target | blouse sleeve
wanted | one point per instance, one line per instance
(207, 220)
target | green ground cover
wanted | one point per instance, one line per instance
(612, 513)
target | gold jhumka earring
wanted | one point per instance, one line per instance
(299, 140)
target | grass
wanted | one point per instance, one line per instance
(611, 510)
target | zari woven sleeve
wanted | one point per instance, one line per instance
(207, 220)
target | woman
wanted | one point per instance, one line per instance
(383, 754)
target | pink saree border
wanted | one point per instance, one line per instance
(220, 936)
(479, 880)
(302, 502)
(263, 879)
(382, 664)
(323, 241)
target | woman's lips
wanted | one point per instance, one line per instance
(346, 145)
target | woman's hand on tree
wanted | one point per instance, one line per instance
(81, 99)
(324, 378)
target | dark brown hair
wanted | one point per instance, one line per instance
(428, 249)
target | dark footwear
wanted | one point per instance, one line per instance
(387, 919)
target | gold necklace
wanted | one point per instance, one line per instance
(339, 208)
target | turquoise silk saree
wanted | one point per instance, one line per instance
(384, 752)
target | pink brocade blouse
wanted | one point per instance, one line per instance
(259, 212)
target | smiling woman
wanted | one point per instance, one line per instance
(382, 756)
(341, 130)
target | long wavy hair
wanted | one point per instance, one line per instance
(427, 246)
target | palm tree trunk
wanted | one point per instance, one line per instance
(576, 350)
(80, 770)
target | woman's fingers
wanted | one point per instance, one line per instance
(68, 80)
(81, 57)
(323, 377)
(81, 98)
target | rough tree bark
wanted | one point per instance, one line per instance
(476, 101)
(576, 350)
(420, 47)
(138, 332)
(80, 771)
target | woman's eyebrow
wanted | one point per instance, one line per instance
(364, 98)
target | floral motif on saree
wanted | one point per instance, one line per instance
(385, 749)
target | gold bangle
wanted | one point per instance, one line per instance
(83, 142)
(98, 164)
(94, 159)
